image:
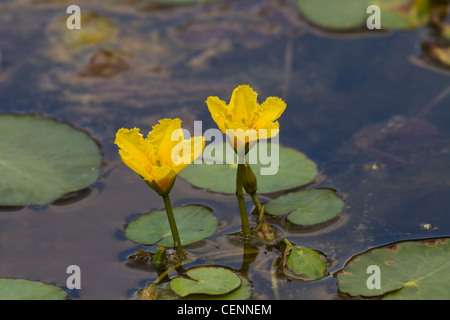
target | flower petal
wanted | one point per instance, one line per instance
(163, 176)
(243, 104)
(186, 152)
(218, 110)
(134, 150)
(269, 111)
(269, 132)
(241, 137)
(164, 137)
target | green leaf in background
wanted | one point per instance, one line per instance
(41, 160)
(410, 270)
(194, 223)
(294, 169)
(307, 207)
(348, 15)
(206, 280)
(305, 261)
(19, 289)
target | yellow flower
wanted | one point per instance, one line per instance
(244, 120)
(162, 155)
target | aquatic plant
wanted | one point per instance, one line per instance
(245, 122)
(152, 158)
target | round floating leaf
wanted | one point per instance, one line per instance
(42, 160)
(241, 293)
(282, 169)
(163, 292)
(194, 223)
(305, 261)
(307, 207)
(206, 280)
(19, 289)
(412, 270)
(345, 15)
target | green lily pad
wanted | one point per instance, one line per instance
(206, 280)
(243, 292)
(163, 292)
(41, 160)
(291, 169)
(194, 223)
(305, 261)
(307, 207)
(347, 15)
(411, 270)
(19, 289)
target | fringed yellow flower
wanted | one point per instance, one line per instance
(244, 120)
(162, 155)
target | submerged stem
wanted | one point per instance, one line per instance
(241, 200)
(173, 227)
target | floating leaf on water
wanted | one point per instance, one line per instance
(206, 280)
(403, 14)
(20, 289)
(350, 15)
(163, 292)
(194, 223)
(411, 270)
(41, 160)
(243, 292)
(293, 170)
(306, 262)
(307, 207)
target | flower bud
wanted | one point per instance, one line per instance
(159, 260)
(249, 181)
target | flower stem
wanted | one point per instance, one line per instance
(173, 227)
(241, 200)
(258, 206)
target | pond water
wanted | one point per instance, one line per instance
(335, 85)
